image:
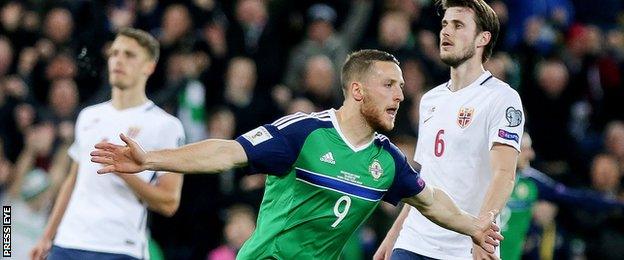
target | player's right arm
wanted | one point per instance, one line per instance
(40, 251)
(271, 148)
(208, 156)
(438, 207)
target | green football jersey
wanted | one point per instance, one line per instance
(320, 188)
(516, 217)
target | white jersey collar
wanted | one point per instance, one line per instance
(485, 76)
(334, 120)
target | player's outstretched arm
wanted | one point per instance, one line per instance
(438, 207)
(208, 156)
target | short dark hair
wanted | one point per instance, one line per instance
(146, 40)
(485, 18)
(360, 62)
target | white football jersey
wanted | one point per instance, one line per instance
(103, 214)
(456, 132)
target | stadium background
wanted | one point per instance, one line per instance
(228, 66)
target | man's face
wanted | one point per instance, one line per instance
(128, 63)
(458, 35)
(605, 174)
(382, 93)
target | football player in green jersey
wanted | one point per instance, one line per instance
(532, 186)
(327, 171)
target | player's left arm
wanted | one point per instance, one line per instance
(164, 197)
(506, 124)
(503, 159)
(505, 129)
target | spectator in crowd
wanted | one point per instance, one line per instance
(323, 39)
(250, 106)
(614, 141)
(603, 232)
(319, 83)
(548, 107)
(239, 225)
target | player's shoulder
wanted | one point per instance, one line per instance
(304, 122)
(156, 114)
(96, 110)
(387, 145)
(499, 87)
(439, 89)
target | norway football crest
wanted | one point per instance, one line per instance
(464, 116)
(375, 169)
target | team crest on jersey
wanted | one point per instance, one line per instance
(375, 169)
(464, 117)
(522, 190)
(133, 131)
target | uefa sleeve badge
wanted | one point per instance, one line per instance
(513, 116)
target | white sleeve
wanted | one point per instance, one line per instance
(172, 135)
(506, 120)
(74, 149)
(418, 150)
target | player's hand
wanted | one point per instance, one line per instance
(487, 236)
(385, 250)
(41, 250)
(129, 158)
(479, 253)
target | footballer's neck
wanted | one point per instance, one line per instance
(353, 125)
(128, 97)
(466, 73)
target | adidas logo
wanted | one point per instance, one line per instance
(328, 158)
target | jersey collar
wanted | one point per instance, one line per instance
(485, 76)
(140, 108)
(334, 120)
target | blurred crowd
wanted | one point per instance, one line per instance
(229, 66)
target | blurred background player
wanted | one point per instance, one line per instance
(533, 186)
(101, 217)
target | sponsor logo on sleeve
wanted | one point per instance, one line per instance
(513, 116)
(509, 136)
(258, 135)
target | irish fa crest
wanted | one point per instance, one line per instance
(464, 117)
(375, 169)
